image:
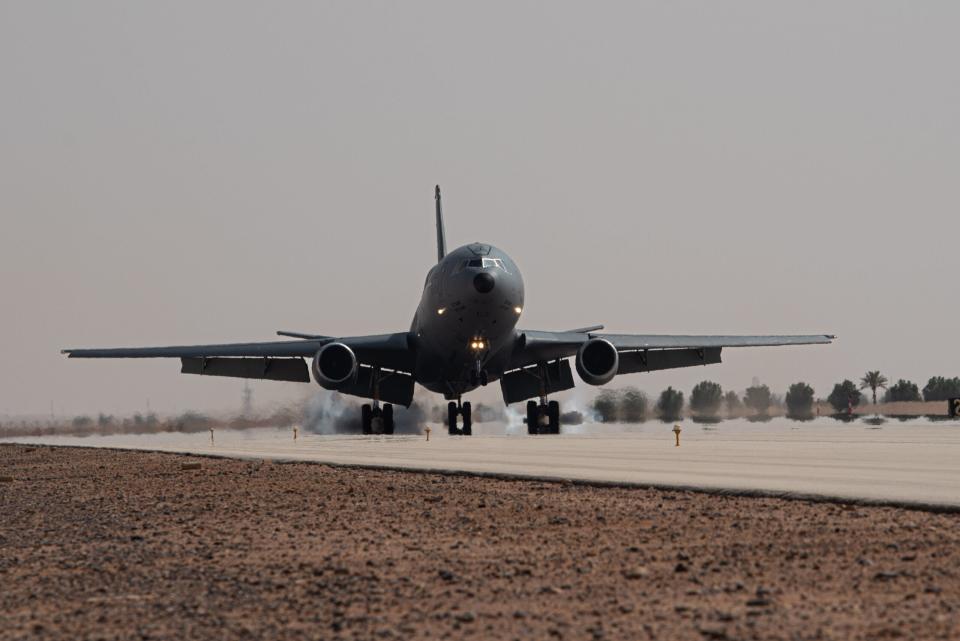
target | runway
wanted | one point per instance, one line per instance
(911, 463)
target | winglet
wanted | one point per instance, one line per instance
(441, 234)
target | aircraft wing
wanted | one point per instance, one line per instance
(540, 346)
(274, 360)
(274, 349)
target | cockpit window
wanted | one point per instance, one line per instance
(483, 263)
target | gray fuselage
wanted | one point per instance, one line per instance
(466, 320)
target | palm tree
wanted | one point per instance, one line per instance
(873, 380)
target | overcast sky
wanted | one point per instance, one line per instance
(184, 172)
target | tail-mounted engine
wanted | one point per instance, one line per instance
(334, 366)
(597, 361)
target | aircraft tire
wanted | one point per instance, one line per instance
(467, 413)
(387, 418)
(366, 418)
(452, 418)
(533, 417)
(553, 412)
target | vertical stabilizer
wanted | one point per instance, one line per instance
(441, 235)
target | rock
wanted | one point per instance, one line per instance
(447, 575)
(466, 617)
(681, 567)
(632, 574)
(886, 576)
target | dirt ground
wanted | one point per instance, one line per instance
(99, 544)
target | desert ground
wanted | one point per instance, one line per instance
(107, 544)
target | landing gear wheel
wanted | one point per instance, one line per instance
(484, 378)
(452, 418)
(467, 413)
(376, 421)
(553, 413)
(366, 418)
(387, 418)
(533, 417)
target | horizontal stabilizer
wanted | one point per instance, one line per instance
(584, 330)
(302, 335)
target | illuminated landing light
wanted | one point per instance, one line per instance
(518, 310)
(441, 311)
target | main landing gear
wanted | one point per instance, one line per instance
(463, 410)
(543, 417)
(376, 419)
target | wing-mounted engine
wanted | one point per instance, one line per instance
(597, 361)
(338, 367)
(335, 366)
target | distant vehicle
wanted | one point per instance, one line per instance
(464, 335)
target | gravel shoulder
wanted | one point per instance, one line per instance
(105, 544)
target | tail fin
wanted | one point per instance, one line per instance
(441, 235)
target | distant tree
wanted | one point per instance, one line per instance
(670, 404)
(706, 397)
(633, 405)
(843, 394)
(605, 406)
(939, 388)
(758, 398)
(104, 420)
(902, 391)
(873, 380)
(82, 421)
(799, 400)
(732, 401)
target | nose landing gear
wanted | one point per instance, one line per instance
(463, 410)
(543, 417)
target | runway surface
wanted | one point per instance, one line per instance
(913, 462)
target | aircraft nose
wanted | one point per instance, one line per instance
(484, 282)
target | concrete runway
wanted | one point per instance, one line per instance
(911, 463)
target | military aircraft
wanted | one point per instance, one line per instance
(464, 335)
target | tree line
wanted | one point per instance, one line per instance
(706, 399)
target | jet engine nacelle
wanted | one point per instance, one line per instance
(334, 365)
(597, 361)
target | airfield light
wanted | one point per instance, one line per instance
(441, 311)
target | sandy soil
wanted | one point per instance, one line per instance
(106, 544)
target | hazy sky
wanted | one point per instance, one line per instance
(214, 171)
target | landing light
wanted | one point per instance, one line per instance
(518, 309)
(441, 311)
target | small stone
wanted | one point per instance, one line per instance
(886, 576)
(632, 574)
(681, 567)
(190, 466)
(758, 602)
(447, 575)
(466, 617)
